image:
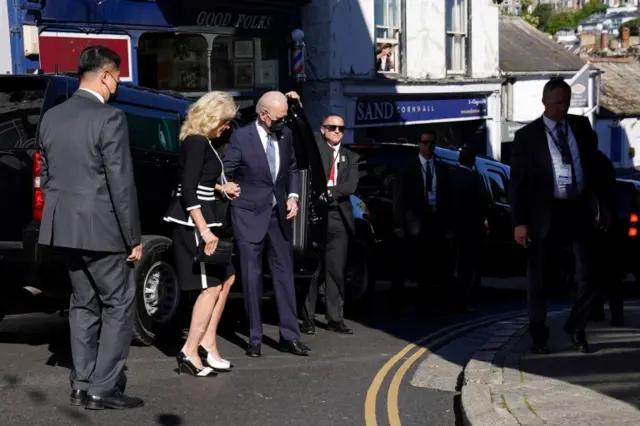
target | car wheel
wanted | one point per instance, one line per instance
(157, 290)
(358, 276)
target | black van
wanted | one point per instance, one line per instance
(154, 120)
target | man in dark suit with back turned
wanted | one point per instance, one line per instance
(553, 189)
(341, 170)
(470, 203)
(421, 208)
(260, 157)
(91, 219)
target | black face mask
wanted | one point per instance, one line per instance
(114, 95)
(277, 125)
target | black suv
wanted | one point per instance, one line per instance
(379, 163)
(154, 120)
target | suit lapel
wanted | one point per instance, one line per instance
(343, 166)
(283, 153)
(540, 138)
(417, 169)
(254, 137)
(325, 153)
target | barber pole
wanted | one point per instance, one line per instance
(298, 55)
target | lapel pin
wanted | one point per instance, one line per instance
(343, 159)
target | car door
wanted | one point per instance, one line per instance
(503, 257)
(153, 138)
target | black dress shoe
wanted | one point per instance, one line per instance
(308, 327)
(295, 347)
(117, 400)
(254, 351)
(339, 327)
(540, 349)
(579, 340)
(78, 397)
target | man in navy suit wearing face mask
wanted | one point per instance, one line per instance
(261, 159)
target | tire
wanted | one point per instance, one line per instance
(157, 290)
(359, 279)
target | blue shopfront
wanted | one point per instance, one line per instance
(456, 120)
(189, 46)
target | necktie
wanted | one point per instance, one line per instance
(565, 152)
(332, 172)
(271, 156)
(429, 179)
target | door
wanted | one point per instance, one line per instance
(503, 257)
(153, 137)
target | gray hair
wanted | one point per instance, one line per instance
(271, 100)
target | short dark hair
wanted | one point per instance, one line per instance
(430, 133)
(467, 155)
(553, 84)
(331, 114)
(94, 58)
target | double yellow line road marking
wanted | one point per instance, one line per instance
(434, 340)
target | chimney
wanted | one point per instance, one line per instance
(603, 41)
(626, 36)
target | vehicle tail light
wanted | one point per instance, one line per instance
(38, 196)
(633, 218)
(633, 232)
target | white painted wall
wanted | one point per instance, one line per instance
(527, 100)
(426, 56)
(484, 39)
(6, 66)
(630, 139)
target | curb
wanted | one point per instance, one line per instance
(479, 406)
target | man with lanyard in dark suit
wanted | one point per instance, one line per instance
(91, 219)
(553, 189)
(470, 203)
(261, 159)
(341, 169)
(421, 208)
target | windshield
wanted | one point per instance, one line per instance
(21, 100)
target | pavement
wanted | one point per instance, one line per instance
(503, 384)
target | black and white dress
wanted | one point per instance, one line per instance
(200, 168)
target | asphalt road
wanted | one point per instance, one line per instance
(327, 388)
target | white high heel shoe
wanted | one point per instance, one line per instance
(217, 365)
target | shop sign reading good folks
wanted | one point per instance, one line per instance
(235, 20)
(375, 112)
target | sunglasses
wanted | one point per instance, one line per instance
(333, 128)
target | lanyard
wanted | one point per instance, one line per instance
(566, 156)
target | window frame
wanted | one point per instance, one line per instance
(128, 108)
(396, 31)
(457, 35)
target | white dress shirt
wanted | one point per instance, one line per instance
(560, 191)
(336, 161)
(96, 94)
(432, 191)
(264, 138)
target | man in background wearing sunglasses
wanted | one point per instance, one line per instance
(341, 170)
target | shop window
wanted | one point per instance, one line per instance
(498, 184)
(177, 62)
(151, 129)
(244, 64)
(457, 36)
(388, 30)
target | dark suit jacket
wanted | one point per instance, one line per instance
(532, 185)
(87, 177)
(469, 203)
(245, 162)
(347, 181)
(410, 203)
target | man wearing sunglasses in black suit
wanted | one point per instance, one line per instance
(341, 169)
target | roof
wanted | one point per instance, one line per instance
(620, 90)
(523, 48)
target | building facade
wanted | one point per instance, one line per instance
(394, 68)
(240, 46)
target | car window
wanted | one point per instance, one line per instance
(378, 168)
(498, 185)
(151, 129)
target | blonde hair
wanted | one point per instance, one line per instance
(207, 114)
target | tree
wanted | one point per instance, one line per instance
(559, 20)
(633, 25)
(543, 12)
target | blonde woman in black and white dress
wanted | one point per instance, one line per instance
(199, 212)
